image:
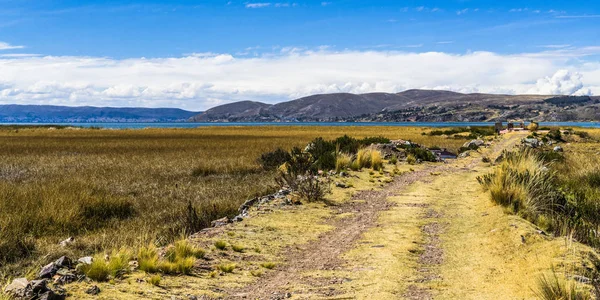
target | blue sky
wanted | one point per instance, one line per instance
(94, 41)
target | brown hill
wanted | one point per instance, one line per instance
(410, 105)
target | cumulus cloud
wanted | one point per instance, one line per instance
(201, 80)
(563, 82)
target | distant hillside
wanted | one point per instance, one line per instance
(55, 114)
(411, 105)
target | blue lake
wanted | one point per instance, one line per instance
(395, 124)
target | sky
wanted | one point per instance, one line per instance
(198, 54)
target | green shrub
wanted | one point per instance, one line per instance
(393, 160)
(274, 159)
(582, 134)
(422, 154)
(555, 135)
(410, 159)
(322, 153)
(551, 156)
(347, 144)
(374, 140)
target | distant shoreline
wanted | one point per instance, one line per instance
(142, 125)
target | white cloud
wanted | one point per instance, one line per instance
(7, 46)
(557, 46)
(462, 11)
(579, 17)
(258, 5)
(201, 80)
(563, 82)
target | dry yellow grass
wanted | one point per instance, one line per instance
(125, 188)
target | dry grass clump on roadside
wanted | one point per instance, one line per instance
(552, 287)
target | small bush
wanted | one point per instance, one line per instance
(256, 273)
(555, 135)
(393, 160)
(154, 280)
(551, 156)
(347, 144)
(226, 268)
(268, 265)
(582, 134)
(410, 159)
(422, 154)
(272, 160)
(221, 245)
(311, 188)
(374, 140)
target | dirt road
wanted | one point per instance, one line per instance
(429, 234)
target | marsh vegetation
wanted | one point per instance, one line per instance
(113, 189)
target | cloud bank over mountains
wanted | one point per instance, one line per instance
(201, 81)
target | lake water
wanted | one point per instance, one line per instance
(396, 124)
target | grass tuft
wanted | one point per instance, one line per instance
(154, 280)
(554, 288)
(226, 268)
(221, 245)
(238, 248)
(268, 265)
(343, 162)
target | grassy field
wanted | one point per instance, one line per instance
(122, 188)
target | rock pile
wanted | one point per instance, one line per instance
(57, 273)
(243, 212)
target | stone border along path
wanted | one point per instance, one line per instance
(324, 253)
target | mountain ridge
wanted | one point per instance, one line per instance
(409, 105)
(12, 113)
